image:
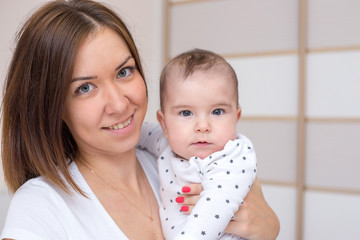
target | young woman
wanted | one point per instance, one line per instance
(75, 99)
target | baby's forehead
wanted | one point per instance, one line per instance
(213, 74)
(198, 82)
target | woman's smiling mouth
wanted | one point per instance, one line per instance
(120, 125)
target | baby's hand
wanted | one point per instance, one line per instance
(189, 197)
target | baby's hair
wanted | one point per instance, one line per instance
(187, 63)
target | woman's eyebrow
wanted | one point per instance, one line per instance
(94, 77)
(83, 78)
(123, 63)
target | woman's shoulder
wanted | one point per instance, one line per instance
(41, 208)
(34, 188)
(38, 196)
(42, 188)
(32, 207)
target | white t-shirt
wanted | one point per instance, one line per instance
(42, 211)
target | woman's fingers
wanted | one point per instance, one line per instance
(189, 197)
(254, 220)
(192, 189)
(186, 209)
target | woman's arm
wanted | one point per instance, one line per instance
(255, 220)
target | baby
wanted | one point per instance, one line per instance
(197, 143)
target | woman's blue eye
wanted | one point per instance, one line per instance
(85, 88)
(186, 113)
(126, 72)
(218, 112)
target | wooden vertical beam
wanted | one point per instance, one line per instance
(167, 9)
(301, 160)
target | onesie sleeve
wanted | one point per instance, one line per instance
(152, 139)
(227, 176)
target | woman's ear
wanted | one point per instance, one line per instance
(161, 120)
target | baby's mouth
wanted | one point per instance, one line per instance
(120, 125)
(201, 143)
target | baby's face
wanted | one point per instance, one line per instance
(199, 114)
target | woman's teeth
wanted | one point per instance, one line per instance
(121, 125)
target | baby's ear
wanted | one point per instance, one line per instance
(161, 120)
(238, 113)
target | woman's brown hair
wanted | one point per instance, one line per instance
(35, 139)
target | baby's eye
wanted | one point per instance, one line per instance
(85, 88)
(185, 113)
(218, 112)
(126, 72)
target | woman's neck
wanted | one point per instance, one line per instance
(121, 168)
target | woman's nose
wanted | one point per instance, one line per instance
(115, 100)
(203, 126)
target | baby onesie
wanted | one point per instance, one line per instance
(226, 177)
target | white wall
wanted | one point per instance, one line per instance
(144, 19)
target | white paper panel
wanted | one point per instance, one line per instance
(333, 84)
(283, 201)
(234, 26)
(333, 155)
(331, 216)
(275, 146)
(333, 23)
(267, 85)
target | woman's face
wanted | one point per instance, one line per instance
(106, 103)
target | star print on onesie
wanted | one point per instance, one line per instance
(226, 176)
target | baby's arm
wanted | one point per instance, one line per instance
(227, 176)
(152, 138)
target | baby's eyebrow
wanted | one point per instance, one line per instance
(181, 106)
(222, 105)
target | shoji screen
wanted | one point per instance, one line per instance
(297, 63)
(332, 196)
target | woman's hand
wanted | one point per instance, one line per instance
(190, 196)
(254, 220)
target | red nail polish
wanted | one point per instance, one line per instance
(179, 199)
(184, 208)
(186, 189)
